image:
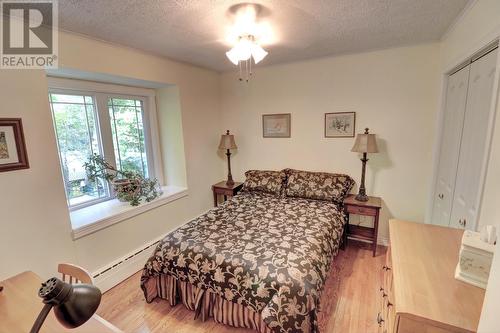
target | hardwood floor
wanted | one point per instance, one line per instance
(349, 302)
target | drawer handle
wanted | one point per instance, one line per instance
(379, 320)
(386, 268)
(389, 304)
(383, 292)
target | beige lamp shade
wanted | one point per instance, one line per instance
(365, 143)
(227, 141)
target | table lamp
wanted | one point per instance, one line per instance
(365, 143)
(227, 142)
(73, 304)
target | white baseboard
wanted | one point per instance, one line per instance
(119, 270)
(384, 241)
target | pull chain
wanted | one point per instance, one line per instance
(239, 65)
(247, 75)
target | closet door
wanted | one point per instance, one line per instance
(473, 147)
(456, 97)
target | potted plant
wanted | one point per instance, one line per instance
(130, 186)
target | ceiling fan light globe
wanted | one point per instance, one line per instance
(258, 53)
(243, 49)
(232, 56)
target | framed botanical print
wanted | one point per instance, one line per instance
(340, 124)
(276, 125)
(13, 154)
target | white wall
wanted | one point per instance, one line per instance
(34, 218)
(393, 92)
(480, 25)
(35, 231)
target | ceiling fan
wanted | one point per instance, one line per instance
(247, 31)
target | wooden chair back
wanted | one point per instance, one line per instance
(74, 274)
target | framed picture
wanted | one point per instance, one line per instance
(13, 154)
(340, 124)
(276, 125)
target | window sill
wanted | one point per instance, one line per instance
(102, 215)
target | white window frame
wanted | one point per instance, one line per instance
(101, 93)
(99, 143)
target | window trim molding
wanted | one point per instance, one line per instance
(150, 118)
(93, 218)
(98, 87)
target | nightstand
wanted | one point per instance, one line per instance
(222, 188)
(366, 208)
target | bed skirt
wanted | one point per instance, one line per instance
(204, 303)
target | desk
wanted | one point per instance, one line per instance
(20, 306)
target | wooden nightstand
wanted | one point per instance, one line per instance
(367, 208)
(222, 188)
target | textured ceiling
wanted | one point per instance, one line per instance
(195, 31)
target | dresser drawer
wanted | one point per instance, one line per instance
(390, 316)
(361, 210)
(386, 314)
(387, 272)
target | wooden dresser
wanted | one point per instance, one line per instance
(419, 292)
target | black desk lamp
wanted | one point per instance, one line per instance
(73, 304)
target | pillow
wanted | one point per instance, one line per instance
(318, 185)
(264, 181)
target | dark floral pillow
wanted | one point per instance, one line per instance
(264, 181)
(318, 185)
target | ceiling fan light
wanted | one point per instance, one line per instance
(244, 49)
(232, 56)
(241, 52)
(258, 53)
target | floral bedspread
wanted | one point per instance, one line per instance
(268, 253)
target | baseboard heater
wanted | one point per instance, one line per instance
(119, 270)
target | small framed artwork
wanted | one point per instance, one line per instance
(13, 154)
(340, 124)
(276, 125)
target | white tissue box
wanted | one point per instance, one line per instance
(475, 260)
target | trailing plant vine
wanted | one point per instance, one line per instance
(130, 186)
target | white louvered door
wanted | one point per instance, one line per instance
(456, 98)
(473, 147)
(464, 143)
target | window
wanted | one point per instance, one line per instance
(75, 124)
(128, 134)
(112, 125)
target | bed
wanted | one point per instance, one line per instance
(258, 260)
